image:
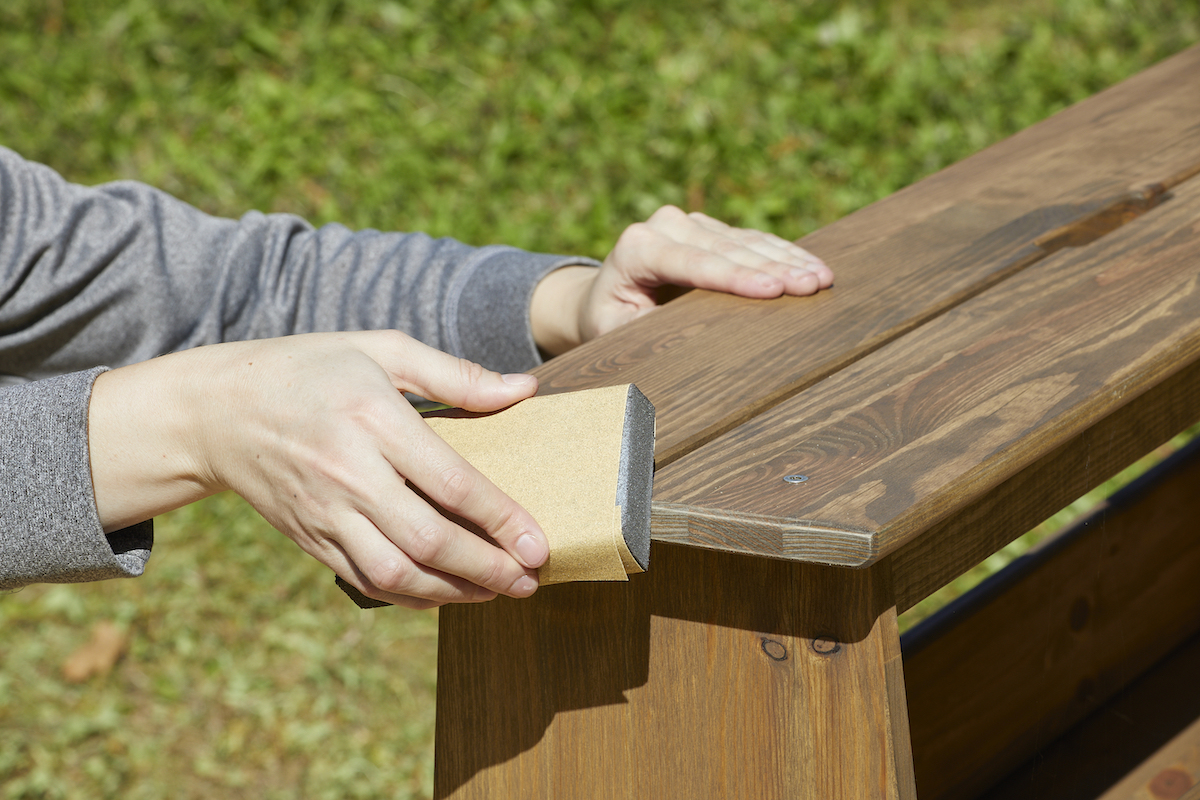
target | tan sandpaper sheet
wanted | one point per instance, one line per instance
(559, 456)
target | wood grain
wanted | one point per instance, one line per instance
(713, 675)
(1005, 670)
(709, 362)
(931, 561)
(904, 439)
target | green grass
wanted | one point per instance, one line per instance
(546, 125)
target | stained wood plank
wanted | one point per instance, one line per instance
(774, 680)
(1018, 504)
(1172, 773)
(1000, 673)
(1142, 729)
(710, 362)
(920, 430)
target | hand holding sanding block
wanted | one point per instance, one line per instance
(582, 463)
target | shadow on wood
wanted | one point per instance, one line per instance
(713, 672)
(999, 673)
(1125, 749)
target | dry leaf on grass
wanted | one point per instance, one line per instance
(98, 655)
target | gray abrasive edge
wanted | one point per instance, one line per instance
(635, 479)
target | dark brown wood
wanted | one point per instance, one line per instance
(1001, 334)
(710, 362)
(916, 432)
(1003, 671)
(1133, 748)
(1024, 500)
(713, 675)
(1171, 773)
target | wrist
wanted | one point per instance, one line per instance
(556, 310)
(145, 441)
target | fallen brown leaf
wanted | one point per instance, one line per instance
(98, 655)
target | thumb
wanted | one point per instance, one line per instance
(416, 367)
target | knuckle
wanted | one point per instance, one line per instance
(393, 339)
(391, 575)
(421, 604)
(427, 542)
(494, 574)
(638, 232)
(454, 487)
(371, 413)
(751, 237)
(469, 372)
(723, 246)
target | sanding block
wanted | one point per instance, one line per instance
(582, 463)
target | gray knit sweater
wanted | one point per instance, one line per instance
(100, 277)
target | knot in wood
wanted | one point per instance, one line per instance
(1170, 784)
(825, 646)
(1081, 609)
(775, 650)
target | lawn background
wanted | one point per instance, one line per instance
(546, 125)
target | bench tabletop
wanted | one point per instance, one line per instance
(982, 318)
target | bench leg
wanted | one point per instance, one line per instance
(713, 675)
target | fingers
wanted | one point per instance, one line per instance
(384, 577)
(416, 367)
(456, 486)
(327, 461)
(775, 247)
(393, 543)
(700, 251)
(448, 480)
(424, 555)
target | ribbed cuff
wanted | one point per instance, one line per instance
(500, 289)
(50, 529)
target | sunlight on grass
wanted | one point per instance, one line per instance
(547, 125)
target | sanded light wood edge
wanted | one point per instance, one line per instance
(774, 537)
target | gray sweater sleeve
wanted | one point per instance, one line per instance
(119, 273)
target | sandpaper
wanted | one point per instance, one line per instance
(581, 463)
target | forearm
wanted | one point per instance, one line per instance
(121, 273)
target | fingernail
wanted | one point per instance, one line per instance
(532, 550)
(766, 281)
(800, 272)
(518, 378)
(524, 586)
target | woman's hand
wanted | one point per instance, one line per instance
(575, 304)
(314, 432)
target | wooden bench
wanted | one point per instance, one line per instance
(1003, 336)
